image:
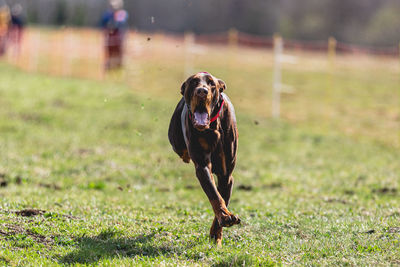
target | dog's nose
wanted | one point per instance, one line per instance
(202, 92)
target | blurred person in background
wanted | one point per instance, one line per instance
(114, 24)
(16, 28)
(4, 23)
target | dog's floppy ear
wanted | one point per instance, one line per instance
(222, 86)
(183, 88)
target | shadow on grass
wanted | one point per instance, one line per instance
(244, 260)
(107, 245)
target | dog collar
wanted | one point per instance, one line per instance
(219, 111)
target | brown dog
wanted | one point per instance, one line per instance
(203, 128)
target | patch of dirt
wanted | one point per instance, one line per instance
(3, 183)
(18, 180)
(30, 212)
(385, 191)
(290, 226)
(273, 185)
(337, 200)
(164, 189)
(13, 229)
(36, 212)
(360, 179)
(59, 103)
(50, 186)
(190, 187)
(349, 192)
(40, 238)
(119, 125)
(301, 234)
(245, 187)
(394, 230)
(84, 151)
(32, 117)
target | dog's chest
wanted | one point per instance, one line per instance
(207, 141)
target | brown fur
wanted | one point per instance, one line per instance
(204, 144)
(211, 148)
(185, 156)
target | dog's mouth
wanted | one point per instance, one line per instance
(201, 120)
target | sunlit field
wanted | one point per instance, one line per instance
(358, 95)
(89, 152)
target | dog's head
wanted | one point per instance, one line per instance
(202, 93)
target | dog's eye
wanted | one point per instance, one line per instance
(211, 82)
(193, 82)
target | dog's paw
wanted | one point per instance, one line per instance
(216, 232)
(228, 219)
(216, 238)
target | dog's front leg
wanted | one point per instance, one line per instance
(224, 217)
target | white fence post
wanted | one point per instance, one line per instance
(34, 39)
(69, 46)
(277, 86)
(189, 41)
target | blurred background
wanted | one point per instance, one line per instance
(367, 22)
(359, 26)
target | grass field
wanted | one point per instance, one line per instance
(319, 187)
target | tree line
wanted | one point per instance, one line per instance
(368, 22)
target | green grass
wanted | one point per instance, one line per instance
(95, 157)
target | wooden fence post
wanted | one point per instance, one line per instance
(399, 52)
(233, 38)
(332, 51)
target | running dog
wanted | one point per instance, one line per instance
(203, 129)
